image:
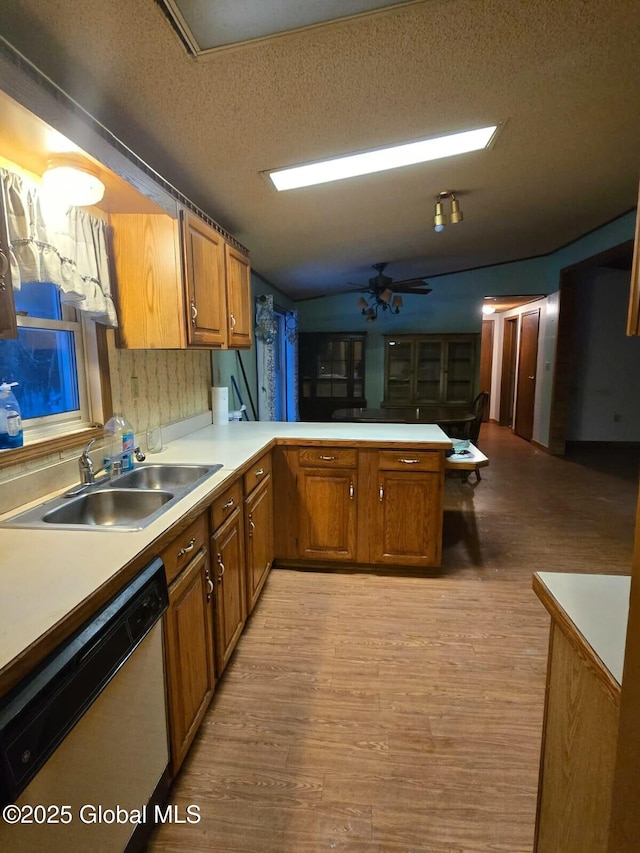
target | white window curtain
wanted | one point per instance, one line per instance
(66, 247)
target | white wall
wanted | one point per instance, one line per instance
(605, 391)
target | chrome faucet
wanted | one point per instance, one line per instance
(88, 472)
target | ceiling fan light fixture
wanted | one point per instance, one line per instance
(71, 179)
(397, 303)
(386, 295)
(382, 159)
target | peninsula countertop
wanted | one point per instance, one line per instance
(594, 608)
(45, 575)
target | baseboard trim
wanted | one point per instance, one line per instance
(539, 446)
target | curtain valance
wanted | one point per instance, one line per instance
(67, 247)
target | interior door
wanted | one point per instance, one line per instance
(486, 360)
(508, 372)
(527, 366)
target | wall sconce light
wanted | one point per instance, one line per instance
(440, 217)
(73, 180)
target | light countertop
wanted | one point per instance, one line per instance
(598, 607)
(45, 574)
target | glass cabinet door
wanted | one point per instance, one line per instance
(459, 372)
(331, 372)
(428, 371)
(357, 369)
(399, 371)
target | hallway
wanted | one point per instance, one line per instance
(370, 713)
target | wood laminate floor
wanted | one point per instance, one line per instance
(379, 714)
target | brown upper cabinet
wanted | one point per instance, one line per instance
(179, 284)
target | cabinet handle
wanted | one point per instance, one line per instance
(4, 267)
(252, 526)
(352, 491)
(409, 461)
(328, 458)
(194, 312)
(221, 564)
(187, 548)
(209, 584)
(381, 492)
(228, 504)
(259, 472)
(233, 320)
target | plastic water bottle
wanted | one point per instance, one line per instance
(10, 418)
(122, 440)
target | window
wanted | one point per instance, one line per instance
(54, 362)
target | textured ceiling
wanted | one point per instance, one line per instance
(562, 77)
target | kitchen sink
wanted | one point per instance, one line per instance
(162, 476)
(130, 501)
(108, 508)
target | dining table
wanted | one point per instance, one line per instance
(445, 416)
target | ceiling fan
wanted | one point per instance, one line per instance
(384, 292)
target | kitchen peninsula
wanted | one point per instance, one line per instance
(50, 581)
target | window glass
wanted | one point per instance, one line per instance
(43, 362)
(38, 299)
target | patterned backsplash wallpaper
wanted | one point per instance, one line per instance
(157, 387)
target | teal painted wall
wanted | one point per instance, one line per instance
(455, 303)
(225, 362)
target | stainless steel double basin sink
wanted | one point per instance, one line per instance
(130, 501)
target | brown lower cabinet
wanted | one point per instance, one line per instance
(365, 506)
(259, 550)
(189, 653)
(228, 561)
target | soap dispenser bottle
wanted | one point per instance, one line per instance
(10, 419)
(121, 441)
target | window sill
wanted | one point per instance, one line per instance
(45, 446)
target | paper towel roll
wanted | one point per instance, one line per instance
(220, 404)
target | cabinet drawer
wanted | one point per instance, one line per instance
(223, 506)
(407, 460)
(185, 546)
(327, 457)
(258, 472)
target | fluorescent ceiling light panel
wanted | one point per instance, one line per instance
(382, 159)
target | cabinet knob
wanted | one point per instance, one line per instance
(194, 312)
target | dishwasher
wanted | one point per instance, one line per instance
(83, 738)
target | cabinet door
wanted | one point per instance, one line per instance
(327, 514)
(238, 298)
(189, 653)
(459, 371)
(408, 519)
(259, 539)
(8, 326)
(399, 372)
(228, 569)
(204, 271)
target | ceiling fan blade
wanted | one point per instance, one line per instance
(423, 290)
(411, 282)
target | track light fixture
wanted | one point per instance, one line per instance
(440, 217)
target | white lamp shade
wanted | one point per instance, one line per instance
(73, 182)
